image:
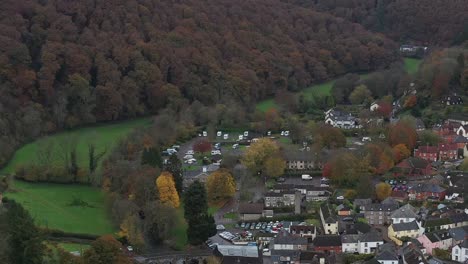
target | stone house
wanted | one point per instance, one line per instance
(378, 214)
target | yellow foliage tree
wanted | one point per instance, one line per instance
(274, 166)
(256, 156)
(220, 185)
(167, 191)
(401, 152)
(383, 190)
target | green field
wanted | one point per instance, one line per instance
(319, 89)
(179, 232)
(50, 206)
(104, 136)
(412, 65)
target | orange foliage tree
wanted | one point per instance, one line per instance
(400, 152)
(402, 133)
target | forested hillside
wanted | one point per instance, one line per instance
(67, 63)
(432, 22)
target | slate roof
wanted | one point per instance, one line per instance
(437, 222)
(389, 200)
(328, 214)
(405, 226)
(362, 227)
(458, 218)
(380, 207)
(361, 202)
(238, 251)
(438, 236)
(253, 208)
(406, 211)
(371, 237)
(386, 255)
(427, 187)
(347, 239)
(459, 233)
(460, 139)
(284, 238)
(327, 241)
(464, 244)
(417, 162)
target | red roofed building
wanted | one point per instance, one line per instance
(448, 151)
(412, 166)
(429, 153)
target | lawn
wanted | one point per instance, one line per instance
(71, 247)
(105, 136)
(412, 65)
(266, 105)
(50, 206)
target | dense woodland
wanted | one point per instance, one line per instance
(429, 22)
(64, 64)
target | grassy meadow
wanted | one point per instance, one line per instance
(412, 65)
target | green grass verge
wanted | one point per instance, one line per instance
(179, 232)
(230, 216)
(412, 65)
(71, 247)
(104, 136)
(49, 205)
(213, 209)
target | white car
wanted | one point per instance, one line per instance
(215, 152)
(220, 228)
(189, 152)
(191, 161)
(235, 146)
(130, 248)
(186, 157)
(340, 197)
(171, 151)
(286, 133)
(225, 136)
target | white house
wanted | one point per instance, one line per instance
(341, 119)
(363, 243)
(329, 219)
(374, 106)
(404, 214)
(460, 252)
(387, 257)
(463, 131)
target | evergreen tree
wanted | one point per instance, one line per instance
(195, 201)
(25, 240)
(200, 228)
(174, 166)
(152, 157)
(201, 225)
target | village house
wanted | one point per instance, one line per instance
(399, 196)
(404, 214)
(439, 239)
(434, 224)
(308, 231)
(378, 214)
(458, 234)
(286, 241)
(448, 151)
(402, 230)
(341, 119)
(461, 140)
(387, 257)
(327, 243)
(300, 160)
(363, 243)
(280, 199)
(458, 219)
(413, 166)
(460, 252)
(238, 254)
(461, 118)
(343, 210)
(329, 219)
(429, 153)
(453, 99)
(250, 212)
(426, 191)
(312, 257)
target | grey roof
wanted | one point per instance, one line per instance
(405, 226)
(464, 244)
(327, 241)
(328, 214)
(349, 239)
(387, 255)
(460, 139)
(380, 207)
(371, 237)
(427, 187)
(238, 251)
(361, 202)
(438, 236)
(459, 233)
(284, 238)
(389, 200)
(254, 208)
(406, 211)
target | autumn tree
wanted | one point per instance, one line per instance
(400, 152)
(383, 190)
(195, 201)
(360, 95)
(202, 146)
(346, 168)
(259, 152)
(384, 110)
(158, 221)
(166, 189)
(174, 166)
(274, 166)
(410, 101)
(152, 157)
(326, 136)
(220, 185)
(402, 133)
(429, 138)
(105, 249)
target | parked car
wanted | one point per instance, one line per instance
(215, 152)
(340, 197)
(235, 146)
(242, 225)
(186, 157)
(217, 146)
(286, 133)
(247, 225)
(130, 248)
(189, 152)
(306, 177)
(191, 161)
(220, 228)
(225, 136)
(281, 179)
(177, 147)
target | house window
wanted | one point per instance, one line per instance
(365, 244)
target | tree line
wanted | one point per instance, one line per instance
(65, 64)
